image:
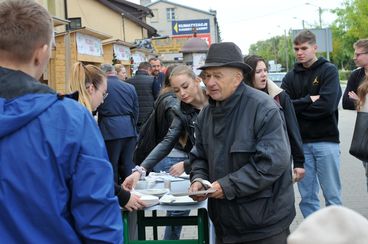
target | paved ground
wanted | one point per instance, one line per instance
(354, 190)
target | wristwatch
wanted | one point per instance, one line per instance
(140, 170)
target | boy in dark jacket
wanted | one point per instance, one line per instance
(314, 88)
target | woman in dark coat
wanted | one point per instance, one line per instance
(258, 79)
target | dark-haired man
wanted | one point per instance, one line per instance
(314, 88)
(147, 89)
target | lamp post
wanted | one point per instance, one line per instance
(320, 11)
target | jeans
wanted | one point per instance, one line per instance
(322, 163)
(171, 232)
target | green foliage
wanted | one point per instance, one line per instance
(350, 25)
(278, 48)
(344, 74)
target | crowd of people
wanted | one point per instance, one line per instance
(67, 167)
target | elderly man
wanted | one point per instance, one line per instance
(242, 148)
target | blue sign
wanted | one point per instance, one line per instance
(185, 27)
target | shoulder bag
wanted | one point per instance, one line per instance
(359, 143)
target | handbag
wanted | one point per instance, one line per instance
(359, 142)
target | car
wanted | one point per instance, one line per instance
(276, 77)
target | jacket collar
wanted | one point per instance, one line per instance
(272, 89)
(15, 83)
(226, 106)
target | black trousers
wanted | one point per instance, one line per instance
(120, 153)
(276, 239)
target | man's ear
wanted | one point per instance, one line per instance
(239, 77)
(40, 55)
(39, 61)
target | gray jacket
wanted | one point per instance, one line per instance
(242, 143)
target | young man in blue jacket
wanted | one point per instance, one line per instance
(314, 88)
(56, 183)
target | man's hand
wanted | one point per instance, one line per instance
(131, 181)
(134, 203)
(353, 96)
(314, 98)
(219, 193)
(298, 174)
(197, 186)
(177, 169)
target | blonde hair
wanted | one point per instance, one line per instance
(84, 76)
(182, 69)
(362, 92)
(119, 67)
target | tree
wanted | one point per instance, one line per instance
(350, 25)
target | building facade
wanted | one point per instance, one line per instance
(176, 23)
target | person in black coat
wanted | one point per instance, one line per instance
(350, 96)
(258, 79)
(117, 118)
(147, 89)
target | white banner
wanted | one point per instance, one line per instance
(198, 61)
(122, 52)
(89, 45)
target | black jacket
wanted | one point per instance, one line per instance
(317, 120)
(356, 77)
(296, 143)
(241, 142)
(147, 92)
(183, 122)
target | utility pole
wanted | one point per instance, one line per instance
(286, 52)
(320, 17)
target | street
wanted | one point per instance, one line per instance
(354, 187)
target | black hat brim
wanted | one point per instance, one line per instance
(245, 67)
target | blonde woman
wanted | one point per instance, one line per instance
(362, 106)
(91, 83)
(171, 154)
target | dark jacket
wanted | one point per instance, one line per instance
(242, 143)
(182, 123)
(118, 114)
(147, 90)
(165, 114)
(296, 143)
(317, 120)
(55, 175)
(356, 77)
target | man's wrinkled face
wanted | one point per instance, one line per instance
(221, 82)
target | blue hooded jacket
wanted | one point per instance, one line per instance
(56, 183)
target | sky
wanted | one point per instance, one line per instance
(246, 22)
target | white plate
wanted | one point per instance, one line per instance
(172, 200)
(149, 200)
(153, 192)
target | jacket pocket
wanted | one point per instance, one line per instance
(240, 153)
(248, 213)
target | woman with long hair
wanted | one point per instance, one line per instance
(362, 106)
(91, 84)
(258, 79)
(179, 139)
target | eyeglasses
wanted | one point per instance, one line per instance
(104, 94)
(358, 54)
